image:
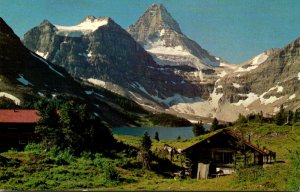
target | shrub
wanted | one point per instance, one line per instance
(6, 162)
(34, 183)
(110, 173)
(33, 147)
(60, 156)
(64, 157)
(5, 175)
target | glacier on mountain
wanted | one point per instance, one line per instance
(90, 24)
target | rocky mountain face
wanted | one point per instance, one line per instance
(101, 52)
(161, 36)
(23, 74)
(27, 77)
(264, 83)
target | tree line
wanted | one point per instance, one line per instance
(282, 117)
(69, 125)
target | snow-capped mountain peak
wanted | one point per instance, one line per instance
(161, 36)
(88, 25)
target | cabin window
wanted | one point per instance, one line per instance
(223, 157)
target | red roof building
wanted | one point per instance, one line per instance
(17, 128)
(18, 116)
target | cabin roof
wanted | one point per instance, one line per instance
(19, 116)
(231, 134)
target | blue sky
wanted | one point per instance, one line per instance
(235, 30)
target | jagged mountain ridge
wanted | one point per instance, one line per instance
(100, 51)
(160, 35)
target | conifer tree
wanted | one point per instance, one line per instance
(156, 137)
(279, 117)
(214, 125)
(145, 153)
(146, 142)
(198, 129)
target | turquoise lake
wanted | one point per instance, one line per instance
(169, 133)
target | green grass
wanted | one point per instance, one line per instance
(36, 169)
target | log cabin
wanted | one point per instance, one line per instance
(221, 154)
(17, 128)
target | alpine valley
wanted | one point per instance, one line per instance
(160, 68)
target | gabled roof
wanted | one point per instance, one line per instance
(19, 116)
(231, 134)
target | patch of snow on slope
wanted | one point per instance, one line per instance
(135, 96)
(222, 74)
(50, 67)
(299, 76)
(279, 89)
(96, 82)
(140, 99)
(256, 61)
(99, 95)
(9, 96)
(236, 85)
(270, 100)
(138, 86)
(292, 96)
(198, 74)
(147, 106)
(215, 97)
(231, 66)
(177, 98)
(22, 80)
(44, 55)
(276, 110)
(162, 32)
(90, 54)
(41, 94)
(241, 69)
(251, 97)
(158, 48)
(259, 59)
(87, 26)
(142, 88)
